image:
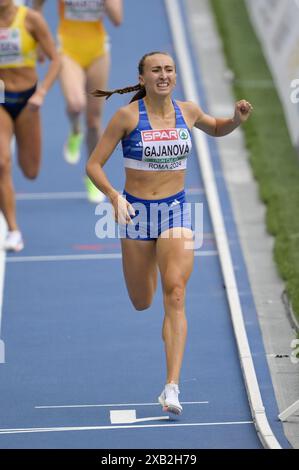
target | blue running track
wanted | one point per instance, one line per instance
(75, 349)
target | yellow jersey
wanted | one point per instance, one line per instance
(17, 46)
(81, 32)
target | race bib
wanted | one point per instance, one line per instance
(10, 46)
(84, 10)
(166, 149)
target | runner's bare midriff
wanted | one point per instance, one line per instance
(154, 184)
(18, 79)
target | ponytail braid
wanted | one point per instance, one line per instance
(121, 91)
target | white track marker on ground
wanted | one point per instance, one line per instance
(129, 416)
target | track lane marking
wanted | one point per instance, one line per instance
(100, 428)
(32, 259)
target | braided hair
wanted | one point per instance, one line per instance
(141, 92)
(121, 91)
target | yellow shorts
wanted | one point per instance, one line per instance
(84, 42)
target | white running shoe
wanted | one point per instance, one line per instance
(169, 399)
(13, 241)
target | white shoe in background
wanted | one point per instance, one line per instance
(13, 241)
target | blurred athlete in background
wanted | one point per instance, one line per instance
(84, 45)
(21, 30)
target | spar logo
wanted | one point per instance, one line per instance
(159, 135)
(183, 134)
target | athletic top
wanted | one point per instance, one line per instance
(17, 46)
(81, 32)
(157, 149)
(83, 14)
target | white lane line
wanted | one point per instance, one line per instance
(100, 428)
(24, 259)
(206, 253)
(50, 196)
(32, 259)
(2, 275)
(77, 195)
(109, 405)
(152, 418)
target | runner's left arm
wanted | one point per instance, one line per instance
(219, 127)
(40, 31)
(114, 11)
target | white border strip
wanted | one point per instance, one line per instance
(255, 400)
(100, 428)
(2, 276)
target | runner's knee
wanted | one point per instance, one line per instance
(141, 303)
(30, 171)
(76, 105)
(174, 291)
(5, 164)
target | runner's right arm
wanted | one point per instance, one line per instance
(115, 131)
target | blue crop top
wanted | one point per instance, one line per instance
(157, 149)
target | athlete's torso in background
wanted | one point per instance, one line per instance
(83, 16)
(17, 53)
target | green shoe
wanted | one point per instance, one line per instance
(72, 148)
(93, 193)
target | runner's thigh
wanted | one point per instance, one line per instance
(140, 270)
